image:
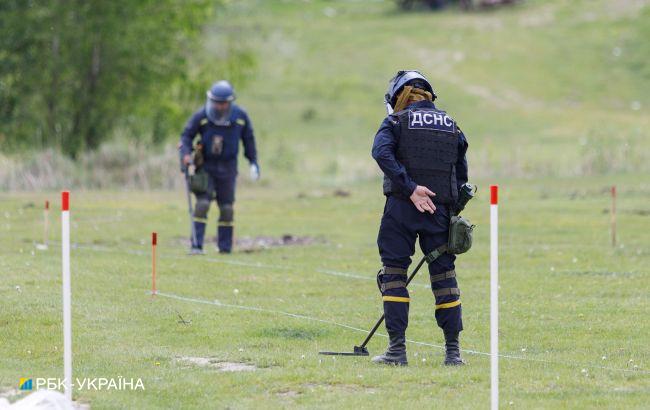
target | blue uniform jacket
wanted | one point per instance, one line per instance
(225, 162)
(385, 146)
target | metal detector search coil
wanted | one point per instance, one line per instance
(358, 351)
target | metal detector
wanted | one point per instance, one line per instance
(186, 170)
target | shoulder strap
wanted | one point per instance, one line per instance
(435, 254)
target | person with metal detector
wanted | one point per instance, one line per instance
(209, 147)
(421, 151)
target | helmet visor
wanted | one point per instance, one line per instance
(218, 111)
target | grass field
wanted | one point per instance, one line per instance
(572, 308)
(553, 96)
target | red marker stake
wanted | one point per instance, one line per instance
(154, 242)
(67, 305)
(494, 295)
(613, 221)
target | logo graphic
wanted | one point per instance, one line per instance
(434, 120)
(25, 383)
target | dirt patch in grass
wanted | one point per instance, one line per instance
(288, 393)
(252, 244)
(249, 244)
(339, 193)
(639, 212)
(342, 193)
(216, 364)
(293, 333)
(348, 388)
(319, 387)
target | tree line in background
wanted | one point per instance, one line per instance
(76, 72)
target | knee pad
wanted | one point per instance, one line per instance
(445, 289)
(226, 213)
(201, 208)
(440, 277)
(392, 284)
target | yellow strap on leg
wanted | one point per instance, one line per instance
(448, 305)
(396, 299)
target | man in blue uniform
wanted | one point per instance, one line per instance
(421, 152)
(221, 125)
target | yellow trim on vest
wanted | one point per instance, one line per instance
(396, 299)
(202, 220)
(203, 121)
(448, 305)
(241, 121)
(222, 223)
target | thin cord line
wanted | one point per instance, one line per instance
(334, 273)
(343, 325)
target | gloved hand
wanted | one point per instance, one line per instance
(255, 172)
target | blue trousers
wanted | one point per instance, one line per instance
(400, 226)
(221, 188)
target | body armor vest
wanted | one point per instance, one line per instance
(428, 149)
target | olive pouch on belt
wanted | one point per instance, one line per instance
(460, 235)
(199, 182)
(198, 178)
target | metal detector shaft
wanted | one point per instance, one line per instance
(381, 319)
(189, 206)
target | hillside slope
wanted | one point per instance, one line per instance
(547, 88)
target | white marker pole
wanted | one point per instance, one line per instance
(46, 224)
(613, 216)
(494, 294)
(67, 317)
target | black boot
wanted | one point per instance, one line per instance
(452, 350)
(396, 353)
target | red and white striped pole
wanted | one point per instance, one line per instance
(67, 317)
(154, 243)
(494, 294)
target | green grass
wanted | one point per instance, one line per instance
(547, 107)
(569, 302)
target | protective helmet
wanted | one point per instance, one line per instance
(221, 91)
(403, 78)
